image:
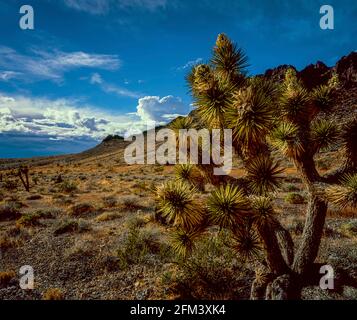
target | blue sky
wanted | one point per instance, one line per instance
(94, 67)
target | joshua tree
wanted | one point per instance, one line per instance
(264, 117)
(23, 174)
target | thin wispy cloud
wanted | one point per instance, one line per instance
(51, 65)
(190, 64)
(96, 79)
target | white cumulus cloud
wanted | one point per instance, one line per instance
(69, 119)
(160, 110)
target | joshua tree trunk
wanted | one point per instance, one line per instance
(312, 234)
(274, 257)
(287, 282)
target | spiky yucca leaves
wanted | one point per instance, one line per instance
(190, 174)
(322, 98)
(349, 139)
(285, 138)
(183, 241)
(182, 123)
(324, 133)
(263, 174)
(344, 195)
(263, 213)
(229, 61)
(294, 105)
(227, 205)
(268, 87)
(251, 117)
(176, 203)
(212, 103)
(247, 243)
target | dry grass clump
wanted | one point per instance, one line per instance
(130, 203)
(349, 229)
(108, 216)
(68, 187)
(70, 226)
(110, 202)
(53, 294)
(82, 209)
(141, 246)
(294, 198)
(32, 219)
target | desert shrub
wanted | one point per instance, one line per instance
(139, 246)
(107, 216)
(34, 197)
(294, 198)
(66, 226)
(81, 209)
(6, 277)
(84, 226)
(68, 187)
(136, 222)
(290, 188)
(9, 211)
(32, 219)
(110, 202)
(111, 263)
(6, 243)
(10, 185)
(130, 203)
(53, 294)
(211, 272)
(349, 229)
(28, 220)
